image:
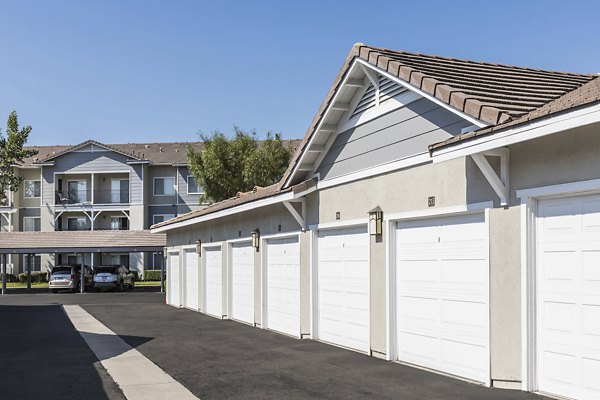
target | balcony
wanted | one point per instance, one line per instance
(88, 197)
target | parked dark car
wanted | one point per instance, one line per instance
(113, 278)
(68, 277)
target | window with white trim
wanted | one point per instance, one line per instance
(192, 186)
(37, 263)
(31, 224)
(119, 223)
(32, 189)
(164, 186)
(158, 218)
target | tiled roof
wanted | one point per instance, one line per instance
(493, 93)
(489, 92)
(241, 198)
(587, 94)
(124, 240)
(170, 153)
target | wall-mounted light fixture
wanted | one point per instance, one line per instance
(376, 221)
(256, 239)
(199, 247)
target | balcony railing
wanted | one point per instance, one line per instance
(85, 197)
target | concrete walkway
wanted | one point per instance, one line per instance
(136, 375)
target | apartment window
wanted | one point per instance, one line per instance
(37, 262)
(119, 191)
(33, 189)
(77, 191)
(192, 186)
(31, 224)
(164, 186)
(119, 223)
(158, 260)
(158, 218)
(77, 224)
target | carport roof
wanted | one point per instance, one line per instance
(80, 241)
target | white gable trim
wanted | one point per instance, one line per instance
(547, 126)
(359, 63)
(434, 99)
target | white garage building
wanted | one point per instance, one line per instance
(442, 213)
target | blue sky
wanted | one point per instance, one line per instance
(137, 71)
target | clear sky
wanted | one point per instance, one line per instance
(137, 71)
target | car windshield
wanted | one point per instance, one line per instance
(61, 270)
(106, 270)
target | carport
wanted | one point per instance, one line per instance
(78, 242)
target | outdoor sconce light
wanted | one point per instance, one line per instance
(256, 239)
(199, 247)
(376, 221)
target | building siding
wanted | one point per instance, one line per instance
(397, 135)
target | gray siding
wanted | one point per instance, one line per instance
(87, 162)
(399, 134)
(153, 210)
(182, 188)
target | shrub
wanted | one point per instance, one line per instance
(136, 275)
(36, 277)
(11, 278)
(152, 275)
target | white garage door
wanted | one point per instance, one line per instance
(283, 286)
(568, 297)
(192, 295)
(173, 280)
(213, 281)
(343, 295)
(242, 282)
(442, 295)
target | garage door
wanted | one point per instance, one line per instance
(568, 297)
(191, 280)
(173, 280)
(343, 294)
(242, 282)
(213, 281)
(283, 286)
(442, 295)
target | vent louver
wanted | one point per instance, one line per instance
(388, 90)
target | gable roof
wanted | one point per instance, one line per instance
(81, 145)
(493, 94)
(161, 153)
(586, 94)
(488, 92)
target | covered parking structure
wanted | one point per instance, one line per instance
(77, 242)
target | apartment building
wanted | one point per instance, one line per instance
(93, 186)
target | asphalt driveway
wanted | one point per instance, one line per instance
(214, 359)
(218, 359)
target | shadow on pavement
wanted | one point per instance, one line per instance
(42, 356)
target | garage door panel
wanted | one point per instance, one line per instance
(443, 306)
(191, 280)
(343, 287)
(283, 286)
(461, 358)
(568, 303)
(242, 282)
(173, 280)
(213, 281)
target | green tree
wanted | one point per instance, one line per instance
(227, 166)
(12, 152)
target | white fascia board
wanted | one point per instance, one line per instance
(321, 123)
(434, 99)
(365, 64)
(411, 161)
(229, 211)
(533, 130)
